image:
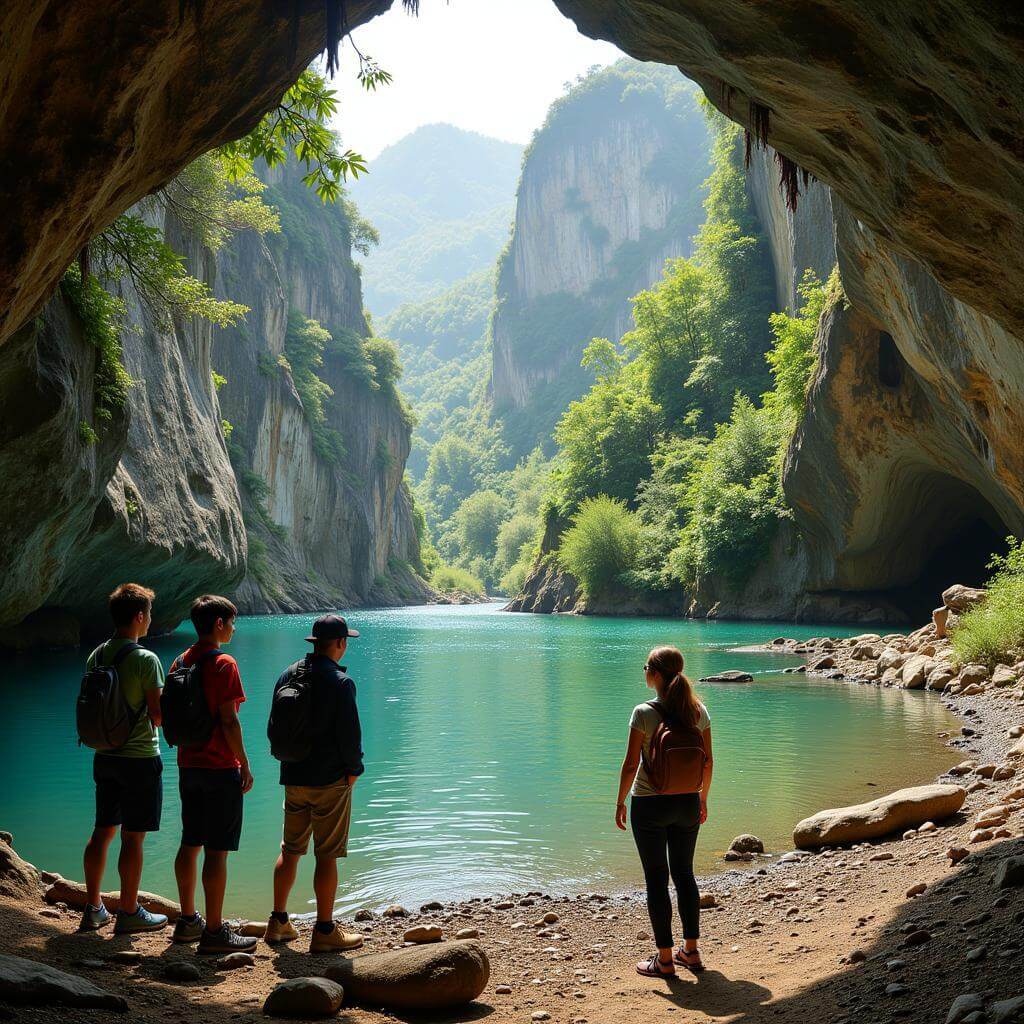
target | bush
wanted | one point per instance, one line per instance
(601, 545)
(994, 630)
(449, 579)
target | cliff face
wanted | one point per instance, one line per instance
(610, 189)
(329, 530)
(153, 496)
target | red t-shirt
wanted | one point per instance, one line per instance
(222, 685)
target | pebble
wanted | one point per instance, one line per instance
(882, 855)
(895, 965)
(396, 910)
(432, 905)
(126, 956)
(234, 961)
(962, 1006)
(504, 990)
(540, 1015)
(182, 970)
(365, 915)
(916, 890)
(957, 853)
(918, 937)
(467, 933)
(977, 954)
(423, 933)
(896, 989)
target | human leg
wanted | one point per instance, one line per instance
(186, 870)
(650, 836)
(215, 883)
(94, 862)
(129, 868)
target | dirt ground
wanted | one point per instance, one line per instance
(823, 938)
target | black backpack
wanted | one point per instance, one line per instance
(290, 729)
(104, 717)
(187, 720)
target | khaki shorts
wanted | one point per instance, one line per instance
(325, 812)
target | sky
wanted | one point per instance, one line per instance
(490, 66)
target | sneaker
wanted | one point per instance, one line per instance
(189, 931)
(95, 918)
(141, 921)
(336, 940)
(277, 932)
(224, 940)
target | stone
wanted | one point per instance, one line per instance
(182, 970)
(365, 915)
(1017, 750)
(18, 878)
(1003, 772)
(823, 663)
(540, 1015)
(396, 910)
(959, 598)
(956, 854)
(939, 678)
(73, 894)
(431, 906)
(896, 989)
(503, 990)
(1007, 1011)
(235, 961)
(864, 652)
(916, 890)
(976, 955)
(971, 690)
(253, 929)
(906, 808)
(28, 983)
(423, 933)
(1003, 675)
(963, 768)
(306, 998)
(963, 1005)
(918, 937)
(971, 675)
(916, 670)
(427, 977)
(747, 843)
(467, 933)
(708, 900)
(1010, 873)
(732, 676)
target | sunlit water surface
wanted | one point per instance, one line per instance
(493, 743)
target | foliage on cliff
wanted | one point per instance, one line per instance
(671, 436)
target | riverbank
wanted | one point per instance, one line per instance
(826, 936)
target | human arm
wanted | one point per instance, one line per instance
(705, 784)
(232, 729)
(348, 731)
(630, 763)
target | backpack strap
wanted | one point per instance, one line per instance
(124, 652)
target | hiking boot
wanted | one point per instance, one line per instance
(95, 918)
(277, 932)
(224, 940)
(141, 921)
(335, 940)
(189, 931)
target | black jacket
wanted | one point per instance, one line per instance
(337, 740)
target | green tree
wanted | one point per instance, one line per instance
(477, 522)
(601, 546)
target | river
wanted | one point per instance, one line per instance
(493, 743)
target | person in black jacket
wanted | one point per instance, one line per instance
(318, 789)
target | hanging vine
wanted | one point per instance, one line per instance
(791, 174)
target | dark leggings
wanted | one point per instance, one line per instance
(665, 830)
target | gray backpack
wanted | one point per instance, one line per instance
(105, 719)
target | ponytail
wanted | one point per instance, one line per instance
(677, 695)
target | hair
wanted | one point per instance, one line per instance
(127, 601)
(206, 610)
(677, 692)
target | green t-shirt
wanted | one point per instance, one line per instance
(138, 672)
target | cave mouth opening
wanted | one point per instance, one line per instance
(950, 538)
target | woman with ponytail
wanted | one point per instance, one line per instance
(667, 771)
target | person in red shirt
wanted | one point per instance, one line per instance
(212, 779)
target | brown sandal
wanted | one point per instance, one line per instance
(652, 968)
(684, 959)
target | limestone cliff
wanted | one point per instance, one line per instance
(330, 529)
(152, 496)
(610, 188)
(148, 496)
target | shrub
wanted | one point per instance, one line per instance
(601, 545)
(449, 579)
(994, 630)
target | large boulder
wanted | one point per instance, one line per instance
(906, 808)
(305, 998)
(73, 894)
(27, 983)
(916, 670)
(18, 878)
(427, 977)
(732, 676)
(959, 598)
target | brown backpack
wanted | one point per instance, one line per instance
(675, 758)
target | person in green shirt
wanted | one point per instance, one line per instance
(129, 786)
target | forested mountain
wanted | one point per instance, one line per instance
(441, 200)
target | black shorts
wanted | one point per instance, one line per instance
(129, 792)
(211, 807)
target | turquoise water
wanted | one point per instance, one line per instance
(493, 743)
